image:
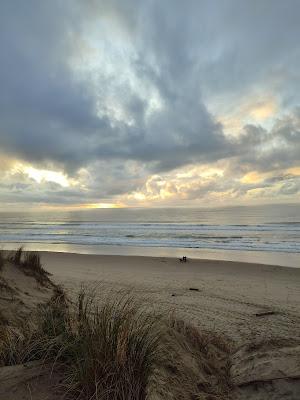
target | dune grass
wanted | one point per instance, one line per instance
(3, 321)
(30, 263)
(15, 257)
(2, 260)
(200, 366)
(116, 350)
(106, 351)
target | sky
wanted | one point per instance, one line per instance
(149, 103)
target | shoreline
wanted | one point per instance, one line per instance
(291, 260)
(196, 261)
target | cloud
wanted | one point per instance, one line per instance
(277, 148)
(112, 95)
(49, 115)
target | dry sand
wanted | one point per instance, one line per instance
(229, 294)
(256, 306)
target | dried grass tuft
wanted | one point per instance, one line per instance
(107, 351)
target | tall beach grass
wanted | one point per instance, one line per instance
(30, 263)
(106, 351)
(116, 348)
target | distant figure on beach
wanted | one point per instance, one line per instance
(183, 259)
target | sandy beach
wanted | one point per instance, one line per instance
(236, 326)
(230, 296)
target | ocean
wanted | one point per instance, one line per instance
(267, 234)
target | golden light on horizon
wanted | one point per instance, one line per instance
(78, 207)
(103, 205)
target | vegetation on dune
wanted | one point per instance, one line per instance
(116, 349)
(2, 260)
(200, 366)
(3, 322)
(30, 263)
(15, 257)
(106, 351)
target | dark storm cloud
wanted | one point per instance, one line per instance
(223, 47)
(268, 150)
(185, 51)
(44, 113)
(258, 45)
(48, 115)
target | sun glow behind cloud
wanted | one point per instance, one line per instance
(255, 109)
(43, 175)
(252, 177)
(263, 110)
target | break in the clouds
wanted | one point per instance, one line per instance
(148, 102)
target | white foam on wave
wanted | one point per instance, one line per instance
(238, 229)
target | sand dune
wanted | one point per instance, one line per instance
(256, 307)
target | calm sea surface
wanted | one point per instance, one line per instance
(260, 233)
